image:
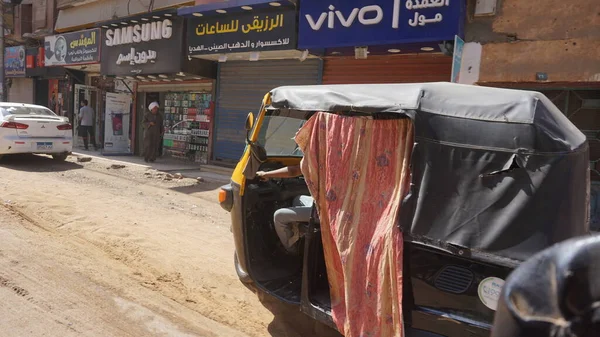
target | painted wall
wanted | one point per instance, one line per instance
(21, 90)
(86, 13)
(560, 38)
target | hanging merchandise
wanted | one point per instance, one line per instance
(188, 117)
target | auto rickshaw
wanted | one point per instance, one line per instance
(489, 178)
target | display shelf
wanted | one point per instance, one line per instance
(187, 117)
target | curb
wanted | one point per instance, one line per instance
(225, 177)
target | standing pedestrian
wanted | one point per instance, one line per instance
(153, 130)
(86, 124)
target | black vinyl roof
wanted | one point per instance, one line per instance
(533, 121)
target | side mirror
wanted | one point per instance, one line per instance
(249, 126)
(249, 121)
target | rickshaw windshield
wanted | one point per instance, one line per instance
(277, 132)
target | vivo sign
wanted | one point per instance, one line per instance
(348, 23)
(368, 15)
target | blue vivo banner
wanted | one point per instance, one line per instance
(351, 23)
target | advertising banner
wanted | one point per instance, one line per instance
(273, 29)
(355, 23)
(74, 48)
(14, 61)
(116, 129)
(150, 47)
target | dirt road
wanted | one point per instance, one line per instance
(93, 249)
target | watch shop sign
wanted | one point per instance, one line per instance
(352, 23)
(267, 30)
(150, 47)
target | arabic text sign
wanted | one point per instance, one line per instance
(351, 23)
(145, 48)
(14, 61)
(74, 48)
(253, 31)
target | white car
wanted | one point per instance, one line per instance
(28, 128)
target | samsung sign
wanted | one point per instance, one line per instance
(350, 23)
(139, 33)
(147, 48)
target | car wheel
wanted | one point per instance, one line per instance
(60, 157)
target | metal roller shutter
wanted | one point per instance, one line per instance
(21, 90)
(241, 88)
(388, 69)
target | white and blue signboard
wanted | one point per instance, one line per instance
(352, 23)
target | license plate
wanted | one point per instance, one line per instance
(44, 146)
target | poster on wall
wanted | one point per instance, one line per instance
(116, 129)
(74, 48)
(14, 61)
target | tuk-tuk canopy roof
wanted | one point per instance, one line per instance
(483, 104)
(493, 171)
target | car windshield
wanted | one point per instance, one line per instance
(21, 110)
(278, 130)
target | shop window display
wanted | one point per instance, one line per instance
(187, 123)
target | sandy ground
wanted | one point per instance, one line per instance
(92, 249)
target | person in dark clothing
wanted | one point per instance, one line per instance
(153, 130)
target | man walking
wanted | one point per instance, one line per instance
(86, 124)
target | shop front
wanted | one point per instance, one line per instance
(145, 53)
(391, 42)
(255, 45)
(19, 87)
(51, 85)
(78, 54)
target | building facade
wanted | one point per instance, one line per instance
(550, 46)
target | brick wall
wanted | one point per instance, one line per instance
(560, 38)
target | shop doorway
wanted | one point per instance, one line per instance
(42, 94)
(91, 94)
(142, 107)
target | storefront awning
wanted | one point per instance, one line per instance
(232, 6)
